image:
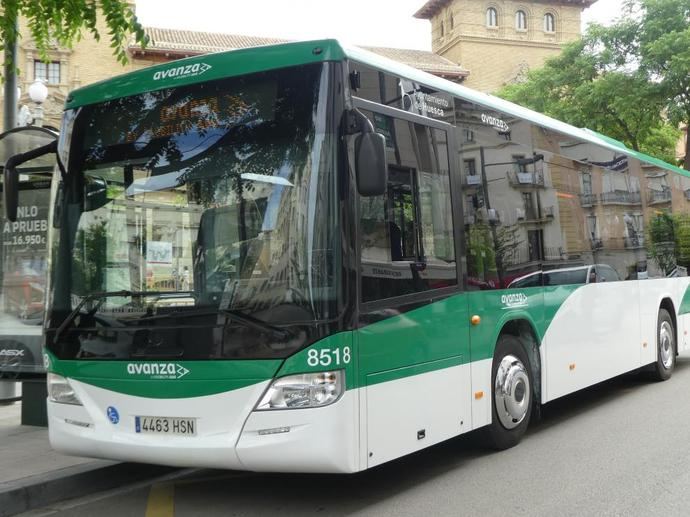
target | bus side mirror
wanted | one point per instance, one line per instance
(10, 185)
(370, 163)
(95, 194)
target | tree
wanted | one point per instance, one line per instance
(661, 244)
(669, 241)
(628, 81)
(64, 21)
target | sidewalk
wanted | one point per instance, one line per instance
(32, 475)
(25, 450)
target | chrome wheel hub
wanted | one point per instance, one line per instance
(666, 344)
(511, 392)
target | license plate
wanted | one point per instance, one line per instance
(165, 425)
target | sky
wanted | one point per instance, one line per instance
(382, 23)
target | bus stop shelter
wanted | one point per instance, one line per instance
(23, 272)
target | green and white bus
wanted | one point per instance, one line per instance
(308, 258)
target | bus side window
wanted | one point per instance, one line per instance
(406, 235)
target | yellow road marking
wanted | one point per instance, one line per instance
(161, 502)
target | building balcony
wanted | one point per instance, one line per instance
(658, 197)
(472, 181)
(532, 216)
(636, 241)
(588, 199)
(526, 179)
(619, 243)
(621, 197)
(519, 256)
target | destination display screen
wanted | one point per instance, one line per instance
(186, 115)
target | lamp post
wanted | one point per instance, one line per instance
(38, 93)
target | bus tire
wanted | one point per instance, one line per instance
(512, 395)
(665, 347)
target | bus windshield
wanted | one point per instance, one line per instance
(197, 222)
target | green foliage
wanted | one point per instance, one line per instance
(90, 258)
(629, 81)
(482, 259)
(668, 242)
(682, 224)
(661, 245)
(64, 22)
(661, 143)
(490, 250)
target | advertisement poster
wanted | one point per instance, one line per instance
(23, 275)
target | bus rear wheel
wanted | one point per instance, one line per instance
(511, 396)
(665, 347)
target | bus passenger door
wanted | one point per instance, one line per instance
(413, 327)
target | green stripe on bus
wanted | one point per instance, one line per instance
(415, 369)
(432, 337)
(167, 379)
(200, 69)
(685, 303)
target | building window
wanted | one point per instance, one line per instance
(442, 30)
(491, 17)
(470, 166)
(49, 72)
(521, 21)
(451, 22)
(549, 23)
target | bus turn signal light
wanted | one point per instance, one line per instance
(478, 395)
(475, 320)
(571, 366)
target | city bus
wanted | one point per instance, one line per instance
(308, 258)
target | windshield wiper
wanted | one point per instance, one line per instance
(233, 314)
(101, 296)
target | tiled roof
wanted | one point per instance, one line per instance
(181, 43)
(421, 59)
(432, 7)
(194, 42)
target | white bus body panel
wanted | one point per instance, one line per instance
(435, 404)
(319, 440)
(603, 330)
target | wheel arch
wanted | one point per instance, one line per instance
(527, 335)
(667, 303)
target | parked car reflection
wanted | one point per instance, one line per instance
(565, 276)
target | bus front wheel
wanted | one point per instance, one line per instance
(512, 394)
(666, 347)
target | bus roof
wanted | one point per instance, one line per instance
(255, 59)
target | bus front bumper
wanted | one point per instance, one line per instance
(229, 434)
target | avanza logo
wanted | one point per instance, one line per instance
(495, 122)
(512, 301)
(158, 370)
(180, 72)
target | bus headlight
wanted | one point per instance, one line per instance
(304, 391)
(59, 390)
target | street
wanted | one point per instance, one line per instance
(619, 448)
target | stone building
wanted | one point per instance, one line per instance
(499, 41)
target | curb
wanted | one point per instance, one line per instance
(37, 491)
